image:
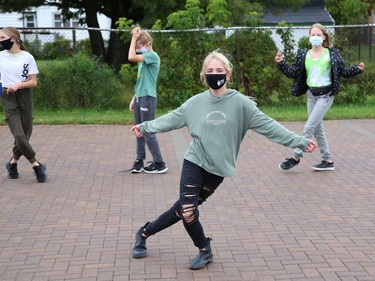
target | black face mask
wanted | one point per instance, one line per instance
(216, 81)
(7, 43)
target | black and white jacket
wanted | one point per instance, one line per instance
(297, 71)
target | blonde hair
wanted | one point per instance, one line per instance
(14, 33)
(228, 66)
(327, 40)
(144, 38)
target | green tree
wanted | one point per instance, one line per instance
(350, 11)
(217, 13)
(87, 7)
(191, 17)
(144, 12)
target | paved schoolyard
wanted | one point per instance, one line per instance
(266, 224)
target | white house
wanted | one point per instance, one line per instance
(47, 17)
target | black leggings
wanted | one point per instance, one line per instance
(196, 185)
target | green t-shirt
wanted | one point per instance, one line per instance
(148, 72)
(318, 70)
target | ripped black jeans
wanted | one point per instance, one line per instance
(196, 185)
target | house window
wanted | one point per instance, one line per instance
(61, 21)
(74, 22)
(58, 20)
(29, 20)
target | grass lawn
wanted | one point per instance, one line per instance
(285, 113)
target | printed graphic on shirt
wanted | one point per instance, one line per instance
(216, 118)
(25, 72)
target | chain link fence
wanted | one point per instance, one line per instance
(355, 41)
(251, 50)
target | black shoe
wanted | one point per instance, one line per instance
(140, 250)
(289, 163)
(204, 257)
(40, 172)
(12, 170)
(324, 166)
(156, 168)
(137, 166)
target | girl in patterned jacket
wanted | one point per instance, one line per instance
(317, 73)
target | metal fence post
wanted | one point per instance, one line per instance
(370, 43)
(238, 57)
(74, 40)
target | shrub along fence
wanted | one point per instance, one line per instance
(70, 78)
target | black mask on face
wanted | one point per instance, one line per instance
(216, 81)
(7, 43)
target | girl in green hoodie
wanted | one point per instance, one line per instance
(218, 120)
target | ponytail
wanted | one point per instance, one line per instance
(22, 46)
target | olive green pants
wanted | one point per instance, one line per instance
(18, 111)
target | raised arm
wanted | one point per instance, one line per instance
(291, 71)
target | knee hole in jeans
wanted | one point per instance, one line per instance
(189, 211)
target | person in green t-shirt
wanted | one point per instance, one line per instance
(218, 120)
(143, 103)
(317, 73)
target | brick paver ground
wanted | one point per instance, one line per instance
(266, 224)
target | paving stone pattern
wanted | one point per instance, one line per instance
(266, 224)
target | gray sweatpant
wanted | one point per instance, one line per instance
(144, 110)
(317, 107)
(18, 111)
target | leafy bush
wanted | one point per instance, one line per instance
(79, 82)
(304, 43)
(255, 71)
(58, 49)
(357, 89)
(180, 66)
(35, 48)
(82, 82)
(84, 46)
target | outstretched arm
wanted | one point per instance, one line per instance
(274, 131)
(165, 123)
(348, 71)
(135, 129)
(290, 71)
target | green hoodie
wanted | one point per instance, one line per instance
(218, 125)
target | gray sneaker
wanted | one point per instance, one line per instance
(324, 166)
(204, 257)
(139, 249)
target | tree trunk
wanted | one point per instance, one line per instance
(96, 38)
(117, 50)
